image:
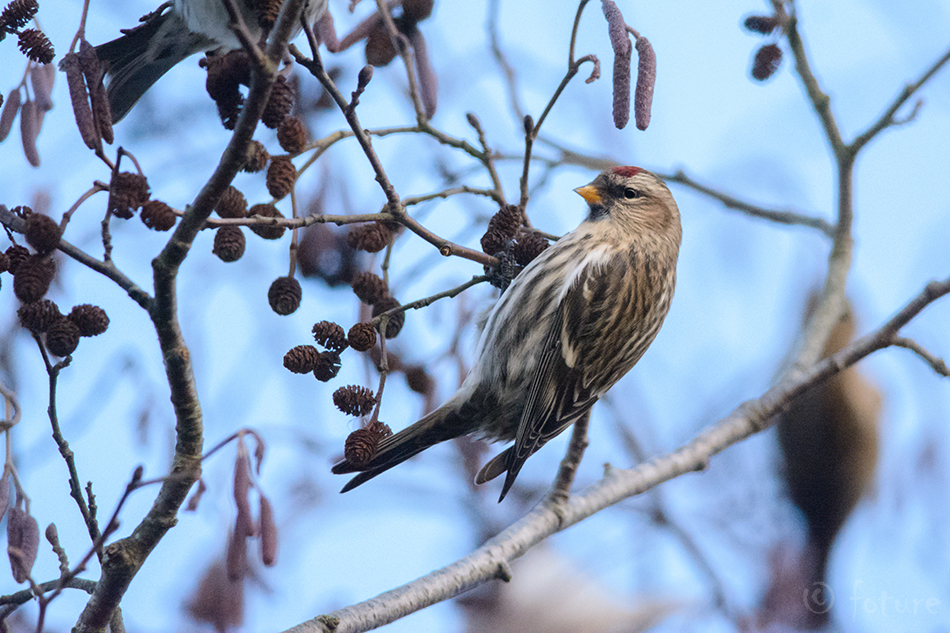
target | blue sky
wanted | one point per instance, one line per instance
(742, 284)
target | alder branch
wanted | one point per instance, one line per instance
(395, 206)
(426, 301)
(11, 601)
(75, 485)
(125, 557)
(786, 216)
(104, 268)
(937, 364)
(492, 559)
(887, 119)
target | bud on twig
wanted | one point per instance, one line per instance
(767, 60)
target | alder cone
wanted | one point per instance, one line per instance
(362, 336)
(281, 176)
(229, 243)
(284, 295)
(301, 359)
(91, 320)
(62, 337)
(33, 277)
(38, 315)
(360, 446)
(42, 233)
(267, 231)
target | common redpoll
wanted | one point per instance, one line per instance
(568, 327)
(139, 58)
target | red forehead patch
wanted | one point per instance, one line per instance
(627, 172)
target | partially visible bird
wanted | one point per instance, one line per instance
(568, 327)
(174, 31)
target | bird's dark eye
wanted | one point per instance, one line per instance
(629, 193)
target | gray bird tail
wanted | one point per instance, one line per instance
(135, 61)
(440, 425)
(496, 466)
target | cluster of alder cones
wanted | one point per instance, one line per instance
(33, 272)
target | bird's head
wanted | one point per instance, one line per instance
(632, 199)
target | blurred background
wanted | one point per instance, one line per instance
(722, 550)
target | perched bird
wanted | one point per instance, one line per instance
(568, 327)
(142, 55)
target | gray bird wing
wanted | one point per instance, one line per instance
(567, 381)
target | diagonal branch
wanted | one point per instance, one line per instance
(125, 557)
(780, 216)
(887, 119)
(491, 560)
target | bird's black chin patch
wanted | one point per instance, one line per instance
(597, 212)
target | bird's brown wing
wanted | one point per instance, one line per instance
(566, 383)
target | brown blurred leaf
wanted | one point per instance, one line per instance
(43, 77)
(268, 533)
(4, 492)
(29, 130)
(79, 97)
(23, 535)
(217, 600)
(10, 109)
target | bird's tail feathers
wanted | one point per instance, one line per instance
(497, 465)
(135, 61)
(436, 427)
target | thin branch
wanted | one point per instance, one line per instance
(787, 216)
(887, 119)
(421, 303)
(818, 97)
(11, 601)
(937, 364)
(394, 204)
(489, 160)
(561, 489)
(75, 485)
(134, 484)
(107, 269)
(483, 564)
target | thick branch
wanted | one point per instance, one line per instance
(494, 556)
(125, 557)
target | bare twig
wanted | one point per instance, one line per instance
(421, 303)
(561, 489)
(394, 205)
(937, 364)
(888, 118)
(75, 485)
(781, 216)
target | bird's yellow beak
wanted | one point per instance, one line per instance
(589, 193)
